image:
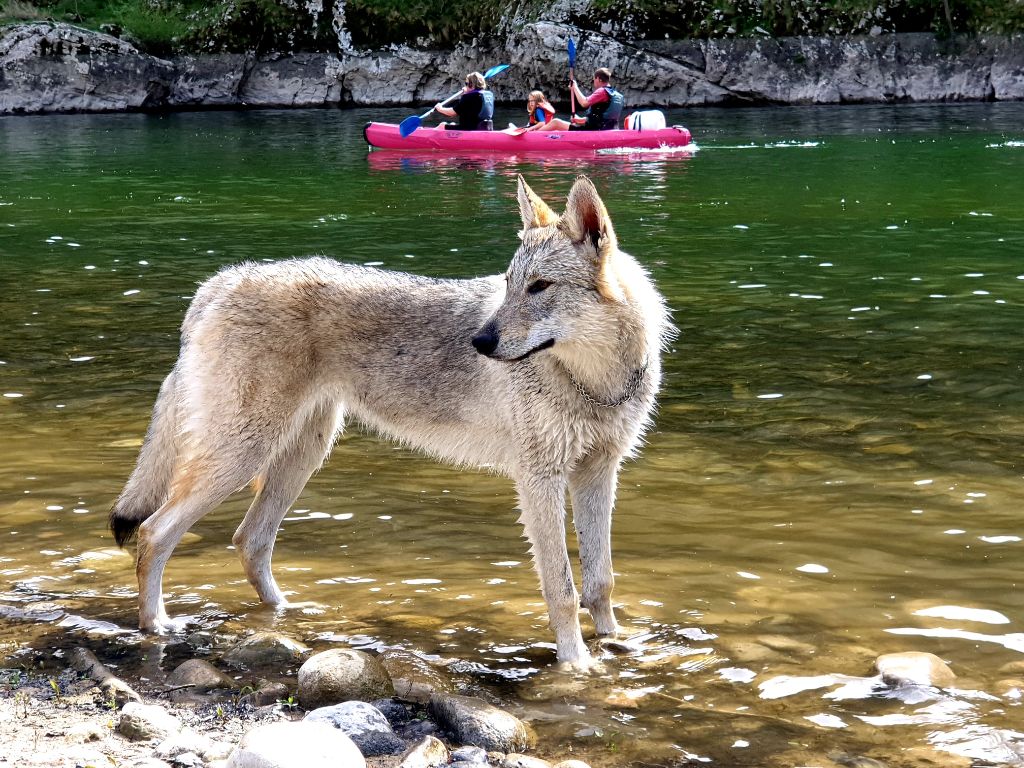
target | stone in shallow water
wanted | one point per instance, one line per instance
(475, 722)
(266, 649)
(914, 668)
(414, 679)
(784, 644)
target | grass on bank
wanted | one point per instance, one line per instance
(166, 26)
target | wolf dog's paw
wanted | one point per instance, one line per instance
(584, 665)
(165, 625)
(307, 607)
(607, 629)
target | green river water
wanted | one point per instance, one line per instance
(837, 469)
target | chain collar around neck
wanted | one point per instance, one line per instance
(632, 386)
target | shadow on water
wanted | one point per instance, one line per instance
(835, 470)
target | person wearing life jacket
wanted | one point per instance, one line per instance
(604, 106)
(539, 113)
(539, 108)
(474, 107)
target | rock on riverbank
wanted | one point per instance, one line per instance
(86, 715)
(49, 67)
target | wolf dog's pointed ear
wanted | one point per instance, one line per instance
(586, 218)
(534, 211)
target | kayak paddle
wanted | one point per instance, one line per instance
(572, 75)
(413, 122)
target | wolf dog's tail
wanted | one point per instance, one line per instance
(149, 484)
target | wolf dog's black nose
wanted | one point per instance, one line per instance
(486, 341)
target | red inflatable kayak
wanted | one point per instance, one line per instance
(386, 136)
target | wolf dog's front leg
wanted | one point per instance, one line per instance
(592, 485)
(542, 499)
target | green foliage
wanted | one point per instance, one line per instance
(154, 27)
(743, 18)
(290, 703)
(14, 11)
(261, 26)
(375, 23)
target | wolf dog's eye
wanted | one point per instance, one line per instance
(537, 286)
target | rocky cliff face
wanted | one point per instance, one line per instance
(47, 67)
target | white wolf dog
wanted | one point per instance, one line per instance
(547, 374)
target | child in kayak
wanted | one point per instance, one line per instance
(539, 109)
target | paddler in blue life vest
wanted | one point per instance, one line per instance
(604, 107)
(474, 107)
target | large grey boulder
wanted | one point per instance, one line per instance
(342, 674)
(1008, 68)
(884, 68)
(364, 724)
(538, 57)
(295, 745)
(48, 67)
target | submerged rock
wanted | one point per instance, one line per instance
(266, 649)
(414, 679)
(914, 668)
(475, 722)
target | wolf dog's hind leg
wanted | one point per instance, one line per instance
(198, 486)
(542, 500)
(283, 481)
(592, 486)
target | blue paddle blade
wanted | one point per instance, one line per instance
(495, 70)
(409, 125)
(572, 53)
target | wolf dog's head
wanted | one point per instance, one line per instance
(568, 285)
